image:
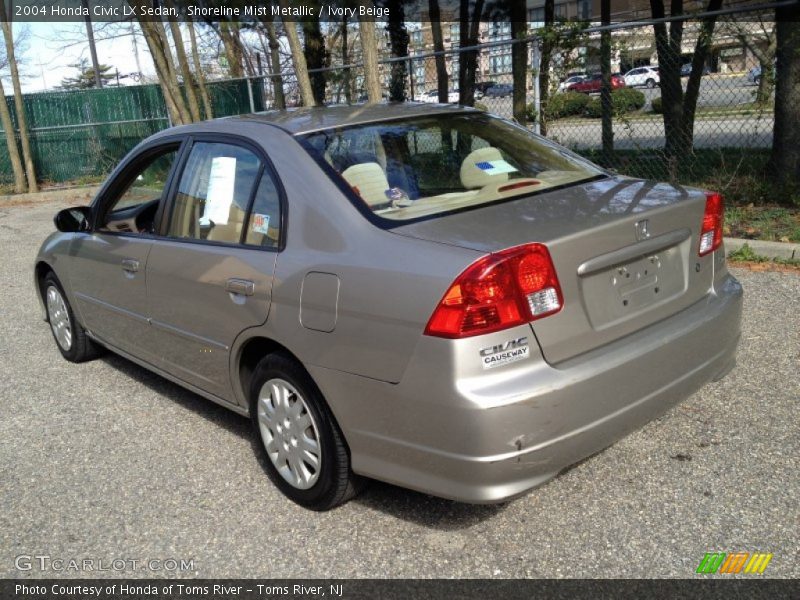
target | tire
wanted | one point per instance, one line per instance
(70, 337)
(308, 460)
(650, 83)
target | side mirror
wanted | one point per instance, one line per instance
(72, 219)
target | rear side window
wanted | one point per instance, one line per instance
(263, 227)
(214, 193)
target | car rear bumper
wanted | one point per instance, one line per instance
(493, 436)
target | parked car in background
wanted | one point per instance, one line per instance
(686, 70)
(432, 97)
(564, 85)
(643, 76)
(499, 90)
(593, 83)
(466, 320)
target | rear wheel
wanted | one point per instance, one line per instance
(306, 455)
(68, 334)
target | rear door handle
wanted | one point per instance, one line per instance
(243, 287)
(130, 264)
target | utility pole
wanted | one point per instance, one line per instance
(92, 49)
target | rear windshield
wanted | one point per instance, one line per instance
(407, 169)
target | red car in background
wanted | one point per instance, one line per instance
(592, 84)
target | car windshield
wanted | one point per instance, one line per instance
(413, 168)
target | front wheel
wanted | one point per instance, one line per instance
(650, 83)
(70, 337)
(306, 455)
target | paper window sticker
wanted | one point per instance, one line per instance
(495, 167)
(260, 223)
(219, 194)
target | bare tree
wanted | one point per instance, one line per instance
(679, 107)
(519, 60)
(548, 42)
(298, 59)
(468, 61)
(369, 52)
(11, 142)
(757, 34)
(198, 73)
(316, 57)
(785, 161)
(156, 38)
(438, 47)
(180, 53)
(398, 36)
(22, 121)
(275, 62)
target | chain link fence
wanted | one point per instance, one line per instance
(717, 89)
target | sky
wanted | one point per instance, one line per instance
(53, 46)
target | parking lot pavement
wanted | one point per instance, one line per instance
(104, 460)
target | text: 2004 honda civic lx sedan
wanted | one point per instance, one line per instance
(426, 295)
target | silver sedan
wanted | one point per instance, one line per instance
(425, 295)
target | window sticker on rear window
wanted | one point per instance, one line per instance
(495, 167)
(219, 194)
(260, 224)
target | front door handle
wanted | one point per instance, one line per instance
(130, 265)
(242, 287)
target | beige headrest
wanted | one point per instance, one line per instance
(472, 177)
(369, 181)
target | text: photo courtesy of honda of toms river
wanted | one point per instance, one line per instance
(426, 295)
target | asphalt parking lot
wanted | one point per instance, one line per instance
(106, 461)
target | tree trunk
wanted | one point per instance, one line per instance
(298, 59)
(346, 79)
(519, 61)
(11, 142)
(438, 46)
(369, 50)
(468, 61)
(229, 34)
(701, 51)
(98, 81)
(188, 80)
(766, 83)
(173, 99)
(398, 36)
(607, 134)
(199, 75)
(275, 64)
(314, 51)
(544, 63)
(22, 121)
(785, 161)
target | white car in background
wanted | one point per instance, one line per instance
(432, 97)
(646, 76)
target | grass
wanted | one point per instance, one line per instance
(746, 256)
(771, 223)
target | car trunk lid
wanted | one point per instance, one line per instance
(625, 251)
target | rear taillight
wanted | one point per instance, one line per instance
(502, 290)
(711, 231)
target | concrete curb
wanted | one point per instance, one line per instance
(768, 249)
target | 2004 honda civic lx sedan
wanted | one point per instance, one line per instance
(425, 295)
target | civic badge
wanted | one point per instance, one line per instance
(642, 230)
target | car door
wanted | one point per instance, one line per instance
(209, 276)
(107, 266)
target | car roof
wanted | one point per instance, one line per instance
(297, 121)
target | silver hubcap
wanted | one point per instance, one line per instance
(289, 433)
(59, 318)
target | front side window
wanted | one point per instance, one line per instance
(412, 168)
(214, 193)
(134, 209)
